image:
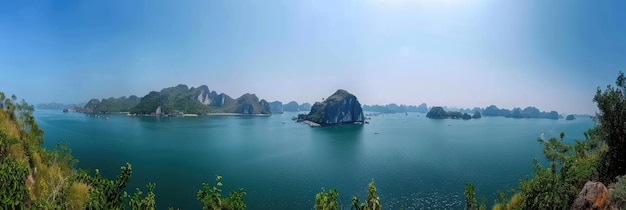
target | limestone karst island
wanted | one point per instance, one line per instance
(338, 109)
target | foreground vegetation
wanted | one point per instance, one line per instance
(600, 157)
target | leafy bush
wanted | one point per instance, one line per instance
(148, 203)
(211, 197)
(13, 191)
(618, 197)
(326, 200)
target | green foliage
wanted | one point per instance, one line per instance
(181, 99)
(61, 154)
(612, 118)
(372, 202)
(471, 203)
(111, 105)
(77, 195)
(618, 197)
(557, 186)
(146, 203)
(327, 200)
(104, 193)
(438, 112)
(13, 190)
(470, 197)
(211, 197)
(148, 104)
(171, 100)
(318, 112)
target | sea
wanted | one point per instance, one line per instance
(415, 162)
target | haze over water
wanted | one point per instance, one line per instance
(416, 162)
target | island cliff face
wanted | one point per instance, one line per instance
(340, 108)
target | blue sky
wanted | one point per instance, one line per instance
(462, 53)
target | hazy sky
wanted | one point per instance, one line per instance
(463, 53)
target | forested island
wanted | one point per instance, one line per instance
(570, 117)
(182, 100)
(438, 112)
(528, 112)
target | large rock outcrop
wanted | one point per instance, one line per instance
(340, 108)
(593, 196)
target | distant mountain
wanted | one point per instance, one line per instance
(438, 112)
(394, 108)
(55, 105)
(292, 106)
(528, 112)
(304, 107)
(276, 107)
(340, 108)
(200, 100)
(111, 105)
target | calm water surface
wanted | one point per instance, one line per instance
(417, 163)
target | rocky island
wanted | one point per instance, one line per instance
(438, 112)
(338, 109)
(181, 100)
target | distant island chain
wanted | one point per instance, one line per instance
(338, 109)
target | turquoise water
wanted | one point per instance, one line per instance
(417, 163)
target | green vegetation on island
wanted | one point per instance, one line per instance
(570, 117)
(179, 100)
(528, 112)
(111, 105)
(438, 112)
(339, 108)
(184, 100)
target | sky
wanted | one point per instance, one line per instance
(457, 53)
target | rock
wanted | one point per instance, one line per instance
(340, 108)
(593, 196)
